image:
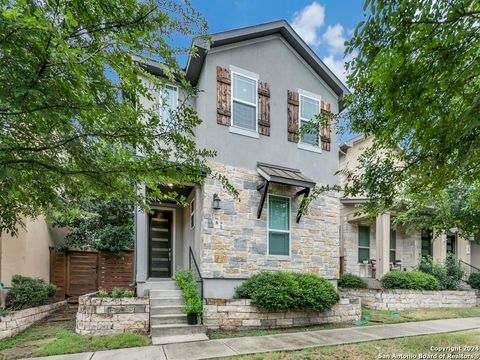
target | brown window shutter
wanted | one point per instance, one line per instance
(224, 112)
(292, 116)
(325, 133)
(264, 108)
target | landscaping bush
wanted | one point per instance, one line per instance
(449, 274)
(185, 281)
(27, 292)
(288, 291)
(351, 281)
(316, 293)
(414, 280)
(474, 280)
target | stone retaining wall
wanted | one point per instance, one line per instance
(399, 299)
(241, 314)
(104, 316)
(17, 321)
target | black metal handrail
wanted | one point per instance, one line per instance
(468, 269)
(196, 274)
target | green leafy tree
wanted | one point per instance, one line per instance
(415, 84)
(95, 224)
(70, 115)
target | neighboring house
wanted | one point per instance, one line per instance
(258, 86)
(389, 246)
(28, 252)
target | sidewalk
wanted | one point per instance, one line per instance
(280, 342)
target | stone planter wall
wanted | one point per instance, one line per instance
(17, 321)
(104, 316)
(399, 299)
(241, 314)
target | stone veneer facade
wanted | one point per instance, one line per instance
(399, 299)
(17, 321)
(104, 316)
(408, 247)
(234, 242)
(240, 314)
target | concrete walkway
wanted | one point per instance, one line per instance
(281, 342)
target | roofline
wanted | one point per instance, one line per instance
(282, 27)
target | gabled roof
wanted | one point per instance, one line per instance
(282, 27)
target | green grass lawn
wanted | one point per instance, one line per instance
(59, 337)
(377, 317)
(375, 349)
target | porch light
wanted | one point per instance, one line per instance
(216, 202)
(471, 238)
(454, 230)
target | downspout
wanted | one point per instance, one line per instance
(134, 280)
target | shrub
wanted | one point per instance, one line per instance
(316, 293)
(449, 274)
(414, 280)
(185, 281)
(27, 292)
(128, 293)
(474, 280)
(102, 293)
(117, 293)
(351, 281)
(271, 290)
(288, 291)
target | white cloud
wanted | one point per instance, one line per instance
(307, 21)
(333, 36)
(337, 65)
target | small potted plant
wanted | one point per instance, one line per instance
(193, 310)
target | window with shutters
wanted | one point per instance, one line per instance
(169, 102)
(393, 245)
(309, 109)
(244, 102)
(363, 243)
(278, 225)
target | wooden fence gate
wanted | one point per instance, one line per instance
(77, 273)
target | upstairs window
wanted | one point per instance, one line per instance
(244, 102)
(169, 101)
(309, 109)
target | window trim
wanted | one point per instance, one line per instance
(247, 74)
(280, 231)
(315, 97)
(192, 214)
(363, 247)
(160, 97)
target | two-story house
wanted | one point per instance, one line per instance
(258, 85)
(372, 248)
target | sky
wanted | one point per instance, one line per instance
(323, 24)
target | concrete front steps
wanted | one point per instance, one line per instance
(168, 324)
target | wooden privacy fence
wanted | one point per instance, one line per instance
(77, 273)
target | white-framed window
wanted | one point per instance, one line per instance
(244, 101)
(363, 243)
(192, 214)
(309, 109)
(168, 103)
(278, 225)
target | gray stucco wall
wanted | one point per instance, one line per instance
(277, 64)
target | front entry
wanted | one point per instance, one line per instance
(160, 229)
